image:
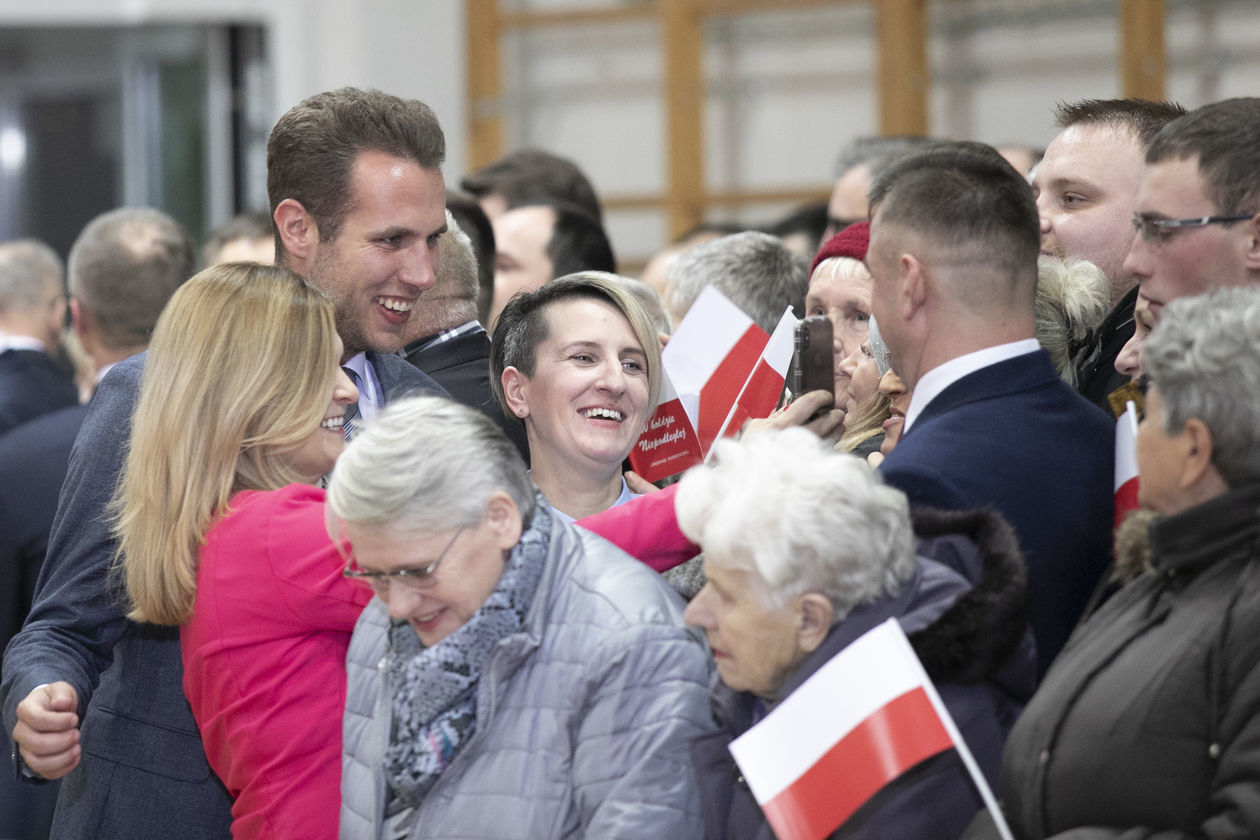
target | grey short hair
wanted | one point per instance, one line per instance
(125, 266)
(804, 517)
(424, 464)
(1204, 356)
(1072, 299)
(29, 272)
(877, 151)
(453, 299)
(754, 269)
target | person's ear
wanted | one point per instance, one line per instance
(516, 391)
(1197, 465)
(1252, 258)
(298, 232)
(814, 616)
(504, 519)
(914, 285)
(79, 319)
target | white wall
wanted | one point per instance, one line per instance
(786, 89)
(413, 48)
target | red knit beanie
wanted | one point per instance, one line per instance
(850, 242)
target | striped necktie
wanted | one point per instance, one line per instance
(352, 410)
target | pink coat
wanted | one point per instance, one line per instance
(264, 661)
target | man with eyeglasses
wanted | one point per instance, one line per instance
(1197, 219)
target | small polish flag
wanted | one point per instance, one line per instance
(707, 363)
(866, 717)
(1126, 488)
(761, 392)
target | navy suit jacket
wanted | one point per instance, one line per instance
(31, 384)
(1015, 437)
(462, 366)
(33, 461)
(143, 772)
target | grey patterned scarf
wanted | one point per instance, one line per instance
(433, 691)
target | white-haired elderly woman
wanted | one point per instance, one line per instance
(806, 550)
(515, 676)
(1148, 723)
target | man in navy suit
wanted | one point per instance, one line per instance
(953, 254)
(32, 307)
(357, 199)
(125, 265)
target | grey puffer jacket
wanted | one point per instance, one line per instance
(584, 719)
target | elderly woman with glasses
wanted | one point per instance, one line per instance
(515, 676)
(806, 550)
(1148, 723)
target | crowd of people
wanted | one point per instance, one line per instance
(335, 536)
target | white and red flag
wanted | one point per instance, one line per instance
(1126, 488)
(866, 717)
(761, 391)
(708, 365)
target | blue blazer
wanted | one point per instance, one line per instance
(143, 772)
(1015, 437)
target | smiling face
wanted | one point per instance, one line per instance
(1086, 188)
(463, 580)
(754, 647)
(841, 290)
(587, 401)
(1187, 261)
(384, 254)
(315, 456)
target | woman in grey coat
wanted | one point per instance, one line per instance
(1148, 723)
(515, 676)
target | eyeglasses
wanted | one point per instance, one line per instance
(1158, 230)
(415, 578)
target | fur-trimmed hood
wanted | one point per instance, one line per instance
(984, 633)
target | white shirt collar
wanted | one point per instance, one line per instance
(370, 398)
(19, 342)
(936, 380)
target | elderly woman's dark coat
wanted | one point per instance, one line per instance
(1148, 724)
(966, 618)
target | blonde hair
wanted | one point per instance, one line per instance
(867, 422)
(1072, 299)
(238, 375)
(523, 326)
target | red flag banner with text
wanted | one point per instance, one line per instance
(708, 364)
